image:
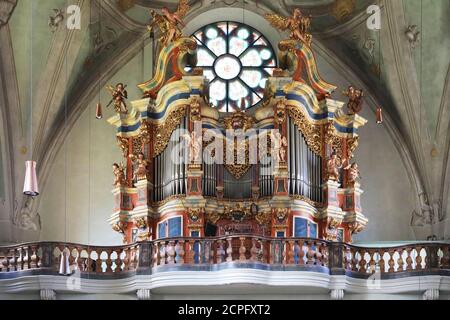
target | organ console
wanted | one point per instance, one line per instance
(246, 182)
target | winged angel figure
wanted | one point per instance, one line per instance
(298, 24)
(168, 22)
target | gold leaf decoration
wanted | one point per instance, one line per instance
(311, 132)
(163, 132)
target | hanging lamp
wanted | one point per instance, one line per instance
(30, 186)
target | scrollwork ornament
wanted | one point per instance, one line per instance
(311, 132)
(164, 131)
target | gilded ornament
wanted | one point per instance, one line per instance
(281, 214)
(195, 109)
(263, 218)
(163, 132)
(311, 132)
(123, 145)
(194, 215)
(119, 95)
(298, 24)
(168, 22)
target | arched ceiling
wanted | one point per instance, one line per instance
(68, 65)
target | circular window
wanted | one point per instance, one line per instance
(237, 60)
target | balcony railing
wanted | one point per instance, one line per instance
(240, 251)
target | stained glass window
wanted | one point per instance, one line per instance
(237, 60)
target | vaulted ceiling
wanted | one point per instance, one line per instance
(68, 66)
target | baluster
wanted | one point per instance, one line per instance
(220, 252)
(372, 262)
(108, 261)
(400, 260)
(319, 254)
(34, 257)
(207, 251)
(118, 262)
(271, 253)
(409, 260)
(13, 261)
(155, 260)
(187, 252)
(445, 262)
(170, 253)
(310, 254)
(229, 250)
(355, 262)
(242, 250)
(5, 262)
(98, 262)
(291, 252)
(192, 251)
(382, 263)
(265, 251)
(253, 251)
(301, 252)
(71, 257)
(348, 258)
(284, 251)
(391, 261)
(162, 253)
(180, 252)
(362, 262)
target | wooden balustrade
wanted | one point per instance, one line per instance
(230, 249)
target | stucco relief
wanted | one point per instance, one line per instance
(6, 10)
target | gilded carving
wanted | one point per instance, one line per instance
(298, 24)
(281, 214)
(311, 132)
(123, 145)
(164, 131)
(263, 218)
(195, 109)
(194, 215)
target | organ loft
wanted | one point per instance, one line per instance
(276, 163)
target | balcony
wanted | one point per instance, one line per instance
(267, 263)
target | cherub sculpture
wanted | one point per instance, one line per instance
(119, 95)
(140, 173)
(168, 22)
(354, 104)
(194, 144)
(333, 167)
(353, 172)
(119, 175)
(298, 24)
(278, 146)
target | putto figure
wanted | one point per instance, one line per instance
(353, 172)
(140, 173)
(354, 104)
(168, 22)
(119, 175)
(298, 24)
(119, 95)
(333, 167)
(194, 144)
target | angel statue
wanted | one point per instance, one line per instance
(298, 24)
(168, 22)
(279, 144)
(119, 95)
(140, 173)
(353, 172)
(333, 167)
(119, 175)
(194, 144)
(354, 104)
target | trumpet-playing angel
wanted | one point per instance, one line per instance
(168, 22)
